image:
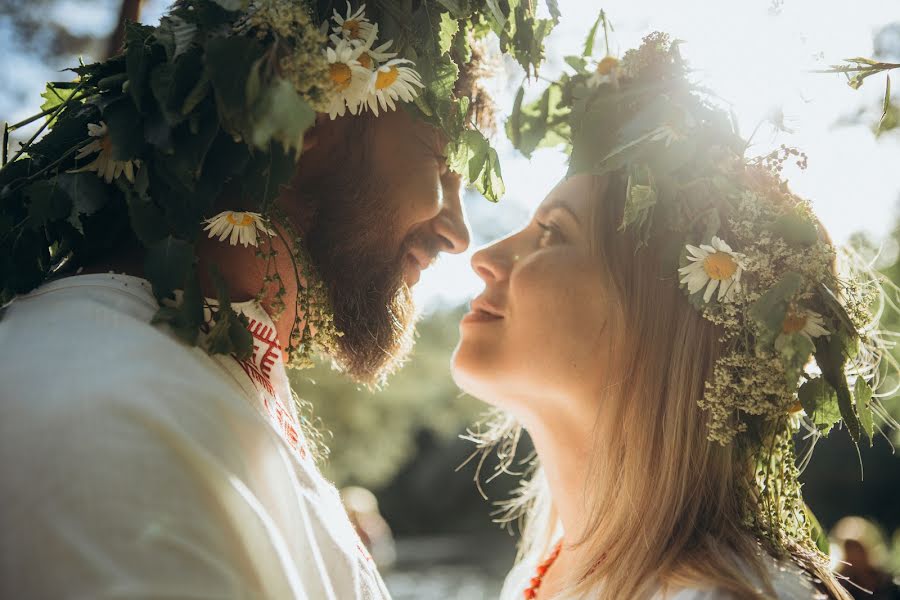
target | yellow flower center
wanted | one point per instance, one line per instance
(793, 322)
(351, 26)
(605, 66)
(386, 79)
(365, 60)
(341, 75)
(719, 265)
(245, 219)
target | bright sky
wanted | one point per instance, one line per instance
(756, 54)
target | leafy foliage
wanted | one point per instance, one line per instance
(215, 97)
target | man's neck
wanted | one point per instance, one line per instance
(244, 273)
(242, 270)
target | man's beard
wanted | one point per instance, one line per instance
(371, 303)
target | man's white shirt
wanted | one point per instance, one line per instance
(133, 465)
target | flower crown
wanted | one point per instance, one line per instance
(800, 351)
(220, 93)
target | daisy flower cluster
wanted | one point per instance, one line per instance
(365, 75)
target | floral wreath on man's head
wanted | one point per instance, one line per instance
(138, 144)
(801, 347)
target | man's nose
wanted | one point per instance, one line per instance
(450, 224)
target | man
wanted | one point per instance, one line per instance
(146, 450)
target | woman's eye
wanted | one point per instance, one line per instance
(549, 234)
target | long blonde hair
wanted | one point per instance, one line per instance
(668, 506)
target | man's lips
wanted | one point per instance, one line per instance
(416, 262)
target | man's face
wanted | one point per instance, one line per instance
(387, 209)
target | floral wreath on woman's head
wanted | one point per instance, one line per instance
(139, 143)
(801, 348)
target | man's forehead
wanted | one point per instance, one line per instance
(403, 135)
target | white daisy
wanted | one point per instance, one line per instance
(350, 78)
(390, 82)
(713, 266)
(807, 323)
(106, 167)
(370, 57)
(606, 72)
(241, 227)
(355, 26)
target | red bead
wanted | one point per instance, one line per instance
(530, 594)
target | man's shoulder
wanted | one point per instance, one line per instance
(81, 346)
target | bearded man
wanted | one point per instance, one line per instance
(151, 444)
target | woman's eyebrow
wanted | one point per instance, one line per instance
(558, 205)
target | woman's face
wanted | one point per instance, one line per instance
(535, 336)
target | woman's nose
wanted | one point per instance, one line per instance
(450, 224)
(493, 263)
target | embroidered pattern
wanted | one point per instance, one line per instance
(258, 368)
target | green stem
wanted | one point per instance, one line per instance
(40, 129)
(26, 180)
(44, 113)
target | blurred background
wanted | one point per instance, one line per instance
(397, 450)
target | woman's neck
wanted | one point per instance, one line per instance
(564, 447)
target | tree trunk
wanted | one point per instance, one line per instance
(129, 11)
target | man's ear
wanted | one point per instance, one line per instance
(312, 135)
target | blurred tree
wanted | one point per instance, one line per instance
(374, 433)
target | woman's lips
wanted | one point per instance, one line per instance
(480, 316)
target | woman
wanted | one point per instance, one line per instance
(656, 368)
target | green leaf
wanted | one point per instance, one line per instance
(640, 200)
(474, 158)
(819, 401)
(147, 220)
(125, 132)
(46, 202)
(187, 317)
(588, 49)
(228, 64)
(794, 351)
(553, 8)
(769, 310)
(886, 106)
(55, 94)
(88, 193)
(282, 115)
(863, 395)
(167, 265)
(831, 358)
(490, 183)
(138, 57)
(232, 5)
(229, 334)
(448, 28)
(578, 63)
(819, 535)
(838, 311)
(798, 231)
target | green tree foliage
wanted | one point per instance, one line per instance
(372, 433)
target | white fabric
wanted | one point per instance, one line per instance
(135, 466)
(787, 580)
